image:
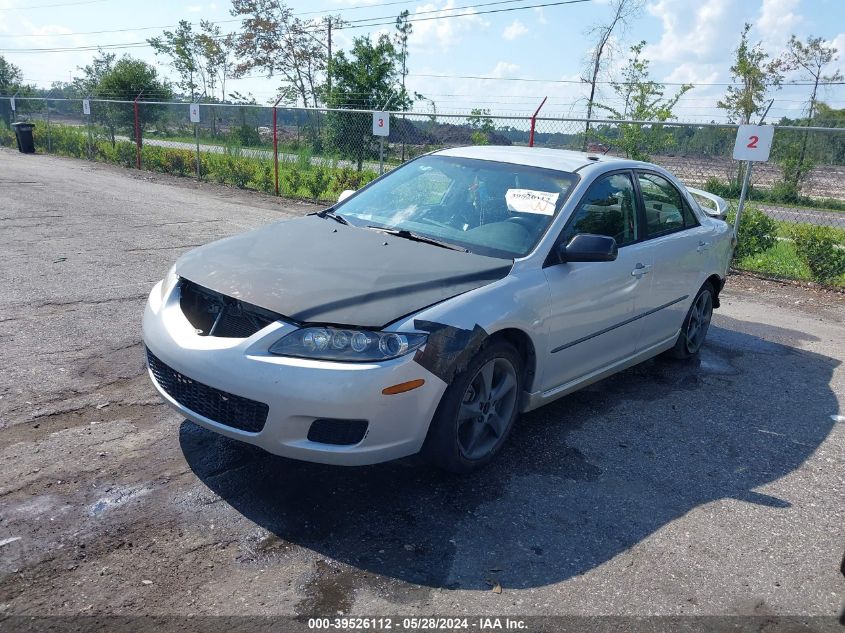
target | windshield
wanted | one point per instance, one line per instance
(489, 208)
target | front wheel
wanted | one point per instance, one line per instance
(695, 326)
(477, 411)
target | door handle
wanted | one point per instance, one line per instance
(702, 246)
(640, 270)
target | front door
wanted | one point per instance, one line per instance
(593, 305)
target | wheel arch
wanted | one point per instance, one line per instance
(718, 283)
(527, 351)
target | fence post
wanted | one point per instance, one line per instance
(89, 126)
(534, 121)
(276, 146)
(137, 134)
(49, 129)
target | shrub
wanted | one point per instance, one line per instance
(291, 178)
(784, 191)
(726, 189)
(241, 171)
(247, 135)
(757, 232)
(318, 183)
(264, 177)
(820, 248)
(7, 137)
(179, 161)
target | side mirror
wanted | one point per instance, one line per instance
(586, 247)
(345, 194)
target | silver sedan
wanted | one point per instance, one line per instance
(426, 311)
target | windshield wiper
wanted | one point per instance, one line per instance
(329, 213)
(416, 237)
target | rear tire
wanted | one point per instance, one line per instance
(477, 411)
(696, 324)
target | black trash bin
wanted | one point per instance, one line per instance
(23, 134)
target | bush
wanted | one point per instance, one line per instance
(318, 183)
(247, 135)
(7, 137)
(726, 189)
(241, 171)
(757, 232)
(264, 178)
(820, 248)
(291, 178)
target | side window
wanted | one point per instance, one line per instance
(665, 208)
(608, 208)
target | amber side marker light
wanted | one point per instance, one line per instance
(402, 387)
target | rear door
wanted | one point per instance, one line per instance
(679, 247)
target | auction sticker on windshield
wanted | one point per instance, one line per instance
(530, 201)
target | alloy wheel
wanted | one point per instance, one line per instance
(699, 322)
(486, 408)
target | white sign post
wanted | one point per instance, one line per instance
(753, 144)
(381, 128)
(195, 118)
(86, 107)
(12, 101)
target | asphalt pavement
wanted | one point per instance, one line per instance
(704, 488)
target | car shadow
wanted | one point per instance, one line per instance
(581, 480)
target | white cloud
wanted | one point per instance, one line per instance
(448, 32)
(706, 34)
(504, 69)
(514, 30)
(541, 15)
(193, 8)
(839, 44)
(777, 21)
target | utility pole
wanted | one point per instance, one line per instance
(329, 61)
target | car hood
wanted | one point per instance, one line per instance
(314, 269)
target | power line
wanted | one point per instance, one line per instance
(353, 25)
(229, 21)
(50, 6)
(578, 81)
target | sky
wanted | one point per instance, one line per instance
(687, 41)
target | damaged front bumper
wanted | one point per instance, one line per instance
(319, 411)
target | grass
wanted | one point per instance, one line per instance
(781, 261)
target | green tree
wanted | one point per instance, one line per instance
(753, 75)
(482, 126)
(181, 47)
(11, 79)
(274, 41)
(643, 100)
(366, 78)
(128, 79)
(814, 58)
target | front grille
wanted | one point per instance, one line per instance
(215, 314)
(339, 432)
(214, 404)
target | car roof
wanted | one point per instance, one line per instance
(559, 159)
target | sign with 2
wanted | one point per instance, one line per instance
(381, 123)
(753, 142)
(86, 106)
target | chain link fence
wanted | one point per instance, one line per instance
(793, 226)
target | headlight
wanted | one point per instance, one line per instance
(169, 282)
(329, 343)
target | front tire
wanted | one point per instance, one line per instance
(696, 324)
(477, 411)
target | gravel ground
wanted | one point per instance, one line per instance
(714, 487)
